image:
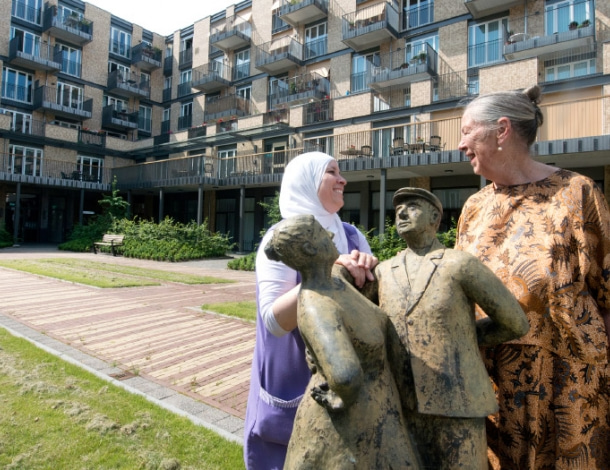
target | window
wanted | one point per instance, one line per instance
(165, 123)
(226, 160)
(116, 103)
(362, 67)
(319, 144)
(145, 119)
(144, 81)
(71, 60)
(90, 168)
(485, 42)
(124, 72)
(120, 42)
(186, 76)
(418, 13)
(20, 122)
(569, 70)
(242, 65)
(28, 10)
(315, 41)
(25, 160)
(417, 46)
(29, 43)
(559, 14)
(17, 85)
(71, 96)
(186, 115)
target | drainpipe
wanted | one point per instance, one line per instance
(16, 215)
(242, 205)
(382, 190)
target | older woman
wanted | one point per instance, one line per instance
(545, 232)
(312, 184)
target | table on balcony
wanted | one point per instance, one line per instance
(351, 152)
(417, 147)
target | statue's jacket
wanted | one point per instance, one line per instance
(433, 343)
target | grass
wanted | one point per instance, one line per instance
(245, 310)
(104, 274)
(54, 415)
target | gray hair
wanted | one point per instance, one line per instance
(520, 107)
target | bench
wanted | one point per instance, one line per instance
(110, 240)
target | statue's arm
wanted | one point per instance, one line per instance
(325, 335)
(505, 318)
(369, 289)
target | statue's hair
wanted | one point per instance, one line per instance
(520, 107)
(296, 229)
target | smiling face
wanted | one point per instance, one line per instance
(331, 188)
(480, 146)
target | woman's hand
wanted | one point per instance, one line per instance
(359, 265)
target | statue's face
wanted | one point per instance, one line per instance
(413, 216)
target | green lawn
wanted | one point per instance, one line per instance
(245, 310)
(54, 415)
(104, 274)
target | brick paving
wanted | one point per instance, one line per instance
(156, 339)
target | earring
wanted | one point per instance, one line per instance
(499, 149)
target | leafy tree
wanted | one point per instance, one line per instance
(114, 205)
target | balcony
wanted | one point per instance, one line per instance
(371, 26)
(279, 56)
(298, 90)
(128, 85)
(34, 56)
(185, 60)
(226, 106)
(120, 120)
(211, 77)
(145, 57)
(480, 8)
(299, 13)
(168, 65)
(185, 89)
(416, 16)
(72, 28)
(62, 103)
(235, 33)
(404, 69)
(530, 37)
(319, 111)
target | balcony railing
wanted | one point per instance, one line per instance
(185, 59)
(223, 106)
(320, 111)
(63, 103)
(50, 172)
(119, 119)
(184, 122)
(403, 69)
(73, 28)
(414, 17)
(561, 29)
(128, 85)
(234, 33)
(211, 77)
(279, 55)
(303, 12)
(146, 57)
(298, 90)
(370, 26)
(26, 53)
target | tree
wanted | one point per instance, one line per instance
(114, 206)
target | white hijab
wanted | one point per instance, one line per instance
(299, 194)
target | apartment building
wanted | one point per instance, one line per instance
(200, 124)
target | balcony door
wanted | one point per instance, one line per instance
(226, 162)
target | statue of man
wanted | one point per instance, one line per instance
(350, 416)
(429, 293)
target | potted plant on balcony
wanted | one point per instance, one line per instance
(422, 57)
(573, 25)
(508, 36)
(584, 24)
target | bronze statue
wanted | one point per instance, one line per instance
(350, 416)
(429, 293)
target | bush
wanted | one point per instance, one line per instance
(244, 263)
(6, 239)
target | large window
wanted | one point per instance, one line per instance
(559, 14)
(315, 41)
(145, 119)
(90, 168)
(120, 42)
(29, 43)
(418, 13)
(28, 10)
(186, 115)
(569, 70)
(362, 66)
(242, 64)
(70, 95)
(16, 85)
(117, 104)
(226, 160)
(71, 60)
(20, 122)
(124, 72)
(25, 160)
(485, 42)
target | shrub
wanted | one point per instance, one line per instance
(244, 263)
(6, 239)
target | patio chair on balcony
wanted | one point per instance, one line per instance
(208, 168)
(398, 145)
(435, 144)
(366, 151)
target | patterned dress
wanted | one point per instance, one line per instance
(549, 242)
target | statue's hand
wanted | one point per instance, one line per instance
(326, 397)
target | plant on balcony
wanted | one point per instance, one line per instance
(584, 24)
(573, 25)
(422, 57)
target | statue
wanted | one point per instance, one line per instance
(429, 293)
(350, 416)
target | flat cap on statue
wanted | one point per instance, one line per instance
(404, 193)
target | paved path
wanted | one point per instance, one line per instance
(151, 340)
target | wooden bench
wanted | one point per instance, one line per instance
(110, 240)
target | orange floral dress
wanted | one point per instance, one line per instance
(549, 242)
